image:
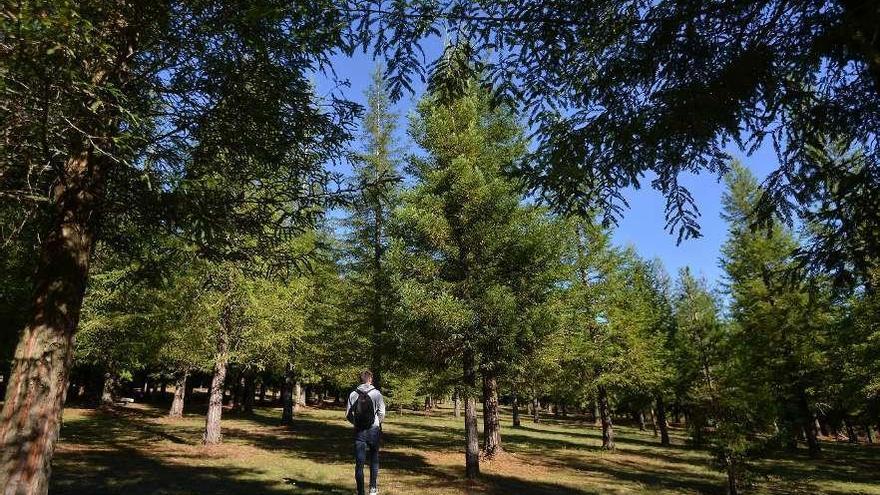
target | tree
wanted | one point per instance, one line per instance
(609, 322)
(780, 322)
(619, 90)
(471, 262)
(698, 342)
(111, 105)
(376, 178)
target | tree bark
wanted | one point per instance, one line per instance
(107, 390)
(491, 422)
(536, 410)
(515, 408)
(299, 395)
(31, 415)
(288, 400)
(641, 420)
(605, 414)
(661, 422)
(808, 424)
(176, 410)
(456, 404)
(213, 434)
(472, 443)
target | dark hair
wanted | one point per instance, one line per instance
(366, 376)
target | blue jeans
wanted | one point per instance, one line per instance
(366, 442)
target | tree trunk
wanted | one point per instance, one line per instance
(536, 410)
(456, 404)
(851, 435)
(288, 401)
(176, 410)
(31, 415)
(516, 420)
(605, 414)
(238, 393)
(190, 386)
(731, 477)
(641, 420)
(299, 394)
(378, 290)
(250, 391)
(262, 391)
(107, 390)
(472, 444)
(808, 424)
(661, 422)
(869, 437)
(491, 422)
(653, 422)
(213, 433)
(597, 421)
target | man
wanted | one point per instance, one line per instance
(366, 411)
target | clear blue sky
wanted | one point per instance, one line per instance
(642, 225)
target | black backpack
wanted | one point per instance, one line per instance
(363, 412)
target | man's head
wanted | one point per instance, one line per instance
(367, 377)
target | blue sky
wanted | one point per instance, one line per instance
(642, 225)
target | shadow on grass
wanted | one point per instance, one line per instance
(119, 469)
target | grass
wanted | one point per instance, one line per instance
(136, 450)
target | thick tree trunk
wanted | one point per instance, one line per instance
(31, 415)
(605, 414)
(472, 442)
(661, 422)
(515, 411)
(536, 410)
(213, 434)
(176, 410)
(491, 421)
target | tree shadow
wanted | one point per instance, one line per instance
(120, 469)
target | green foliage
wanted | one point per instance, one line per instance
(620, 89)
(473, 266)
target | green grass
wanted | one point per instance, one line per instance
(136, 450)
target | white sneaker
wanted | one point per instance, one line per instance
(374, 491)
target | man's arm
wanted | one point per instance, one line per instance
(380, 410)
(348, 405)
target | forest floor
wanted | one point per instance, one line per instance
(136, 450)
